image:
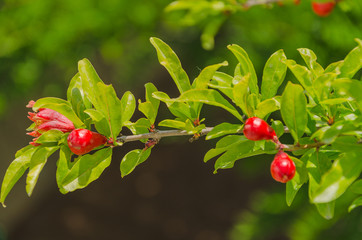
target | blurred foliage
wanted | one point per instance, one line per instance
(263, 29)
(269, 217)
(42, 40)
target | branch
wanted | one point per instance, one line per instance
(157, 135)
(160, 134)
(251, 3)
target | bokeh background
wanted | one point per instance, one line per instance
(174, 195)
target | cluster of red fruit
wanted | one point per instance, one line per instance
(282, 168)
(80, 141)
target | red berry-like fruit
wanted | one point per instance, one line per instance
(282, 168)
(256, 129)
(323, 9)
(82, 141)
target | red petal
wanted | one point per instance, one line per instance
(30, 104)
(56, 125)
(34, 134)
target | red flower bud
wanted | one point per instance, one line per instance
(256, 129)
(47, 119)
(282, 168)
(82, 141)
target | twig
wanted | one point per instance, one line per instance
(251, 3)
(157, 135)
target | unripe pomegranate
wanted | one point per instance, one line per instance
(256, 129)
(282, 168)
(82, 141)
(323, 9)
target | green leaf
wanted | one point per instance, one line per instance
(77, 98)
(294, 110)
(223, 144)
(223, 79)
(201, 82)
(23, 150)
(268, 106)
(224, 129)
(349, 88)
(278, 127)
(311, 60)
(90, 79)
(356, 203)
(147, 109)
(208, 96)
(241, 94)
(100, 121)
(322, 85)
(50, 137)
(61, 106)
(63, 166)
(273, 74)
(210, 30)
(37, 162)
(150, 89)
(303, 75)
(132, 159)
(326, 210)
(317, 165)
(238, 151)
(334, 101)
(178, 109)
(128, 106)
(300, 177)
(15, 171)
(140, 126)
(334, 67)
(356, 187)
(344, 172)
(352, 63)
(168, 58)
(246, 66)
(172, 124)
(112, 108)
(87, 169)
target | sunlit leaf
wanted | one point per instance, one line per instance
(15, 171)
(268, 106)
(223, 129)
(352, 63)
(356, 203)
(168, 58)
(63, 166)
(294, 109)
(211, 97)
(246, 66)
(344, 172)
(132, 159)
(273, 74)
(100, 121)
(87, 169)
(36, 165)
(311, 60)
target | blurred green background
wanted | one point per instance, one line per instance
(40, 44)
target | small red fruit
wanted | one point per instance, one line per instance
(282, 168)
(323, 9)
(256, 129)
(82, 141)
